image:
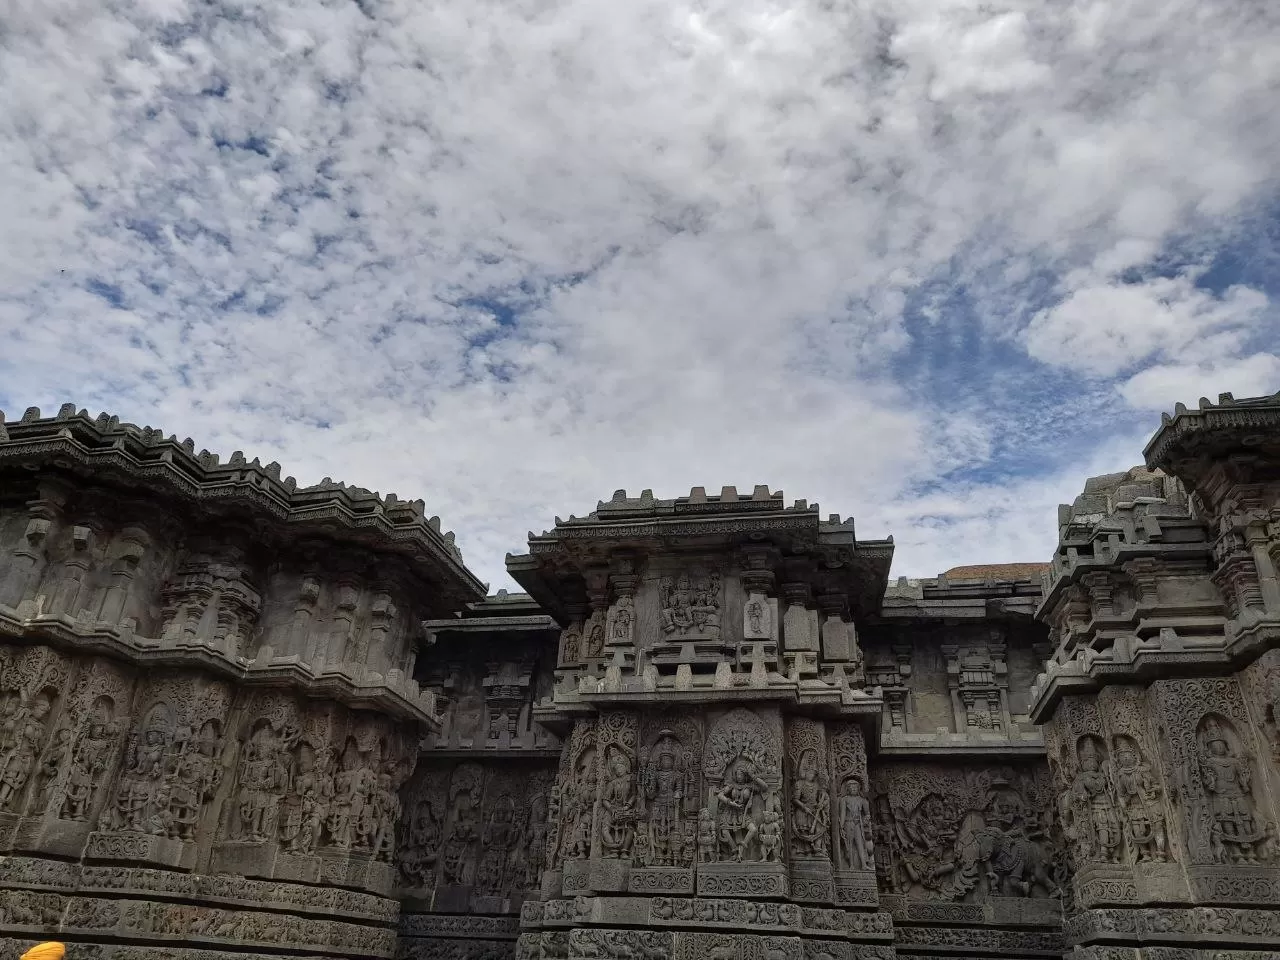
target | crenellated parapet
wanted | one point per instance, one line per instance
(208, 703)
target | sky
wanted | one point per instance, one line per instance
(929, 263)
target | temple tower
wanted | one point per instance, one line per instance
(1159, 702)
(712, 795)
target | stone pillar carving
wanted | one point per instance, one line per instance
(124, 556)
(800, 636)
(345, 599)
(66, 597)
(30, 557)
(891, 672)
(978, 678)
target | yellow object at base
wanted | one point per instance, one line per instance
(45, 951)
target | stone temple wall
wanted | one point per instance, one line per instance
(241, 718)
(207, 709)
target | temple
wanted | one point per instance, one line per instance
(242, 718)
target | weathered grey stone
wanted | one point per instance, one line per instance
(239, 718)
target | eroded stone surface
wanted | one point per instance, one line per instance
(239, 718)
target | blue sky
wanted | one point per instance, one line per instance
(928, 262)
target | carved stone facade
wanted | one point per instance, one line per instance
(1164, 612)
(207, 703)
(241, 718)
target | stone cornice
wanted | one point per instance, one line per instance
(393, 694)
(106, 448)
(1232, 422)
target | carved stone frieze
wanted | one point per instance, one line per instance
(954, 834)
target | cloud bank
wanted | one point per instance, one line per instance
(928, 262)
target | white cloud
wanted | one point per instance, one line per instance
(713, 218)
(1159, 387)
(1106, 328)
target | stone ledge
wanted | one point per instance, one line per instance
(13, 947)
(403, 698)
(458, 925)
(36, 874)
(1176, 925)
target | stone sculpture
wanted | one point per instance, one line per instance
(856, 844)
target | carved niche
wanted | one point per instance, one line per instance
(211, 601)
(978, 677)
(689, 605)
(855, 844)
(479, 826)
(462, 834)
(1093, 813)
(954, 834)
(671, 784)
(92, 727)
(576, 802)
(619, 801)
(743, 806)
(171, 765)
(1208, 737)
(31, 689)
(810, 801)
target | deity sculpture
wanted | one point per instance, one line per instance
(464, 797)
(305, 805)
(56, 758)
(623, 617)
(664, 787)
(756, 616)
(89, 759)
(20, 744)
(535, 842)
(707, 847)
(264, 778)
(348, 811)
(498, 839)
(388, 809)
(770, 835)
(690, 604)
(810, 808)
(140, 794)
(195, 776)
(421, 847)
(736, 817)
(1139, 793)
(595, 640)
(572, 643)
(579, 803)
(856, 846)
(1236, 832)
(618, 807)
(1098, 831)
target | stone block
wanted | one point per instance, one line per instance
(761, 880)
(608, 876)
(140, 848)
(811, 881)
(246, 858)
(856, 888)
(575, 877)
(661, 880)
